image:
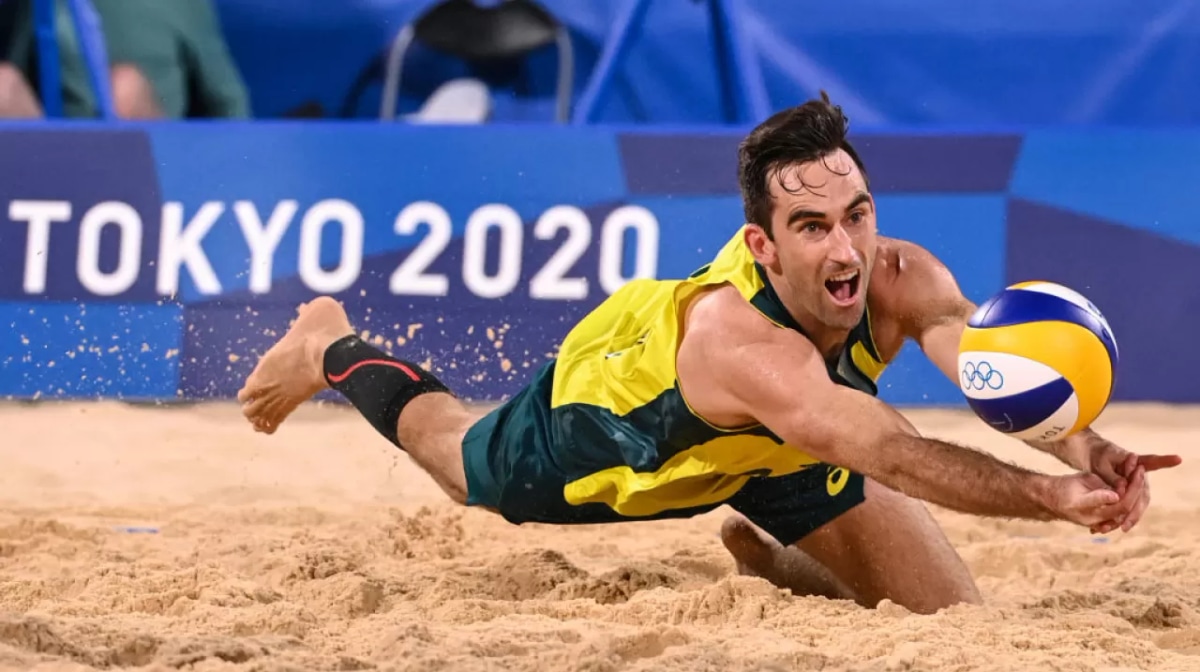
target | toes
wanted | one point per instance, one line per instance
(751, 553)
(255, 405)
(268, 413)
(741, 537)
(735, 527)
(265, 426)
(272, 416)
(250, 390)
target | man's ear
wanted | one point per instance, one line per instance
(760, 244)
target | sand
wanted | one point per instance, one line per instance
(169, 538)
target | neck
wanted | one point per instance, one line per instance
(828, 340)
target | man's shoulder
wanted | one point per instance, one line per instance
(722, 329)
(911, 287)
(728, 355)
(904, 271)
(722, 311)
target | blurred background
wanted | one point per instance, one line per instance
(889, 62)
(471, 176)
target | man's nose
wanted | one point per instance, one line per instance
(841, 248)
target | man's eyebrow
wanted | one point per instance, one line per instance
(804, 214)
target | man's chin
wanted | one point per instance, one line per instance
(843, 316)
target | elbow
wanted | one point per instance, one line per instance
(864, 447)
(849, 429)
(826, 440)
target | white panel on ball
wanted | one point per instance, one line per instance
(1007, 374)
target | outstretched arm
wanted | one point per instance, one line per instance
(777, 377)
(934, 313)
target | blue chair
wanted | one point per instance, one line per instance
(481, 34)
(91, 44)
(744, 92)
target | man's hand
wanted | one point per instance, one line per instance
(1125, 472)
(1085, 499)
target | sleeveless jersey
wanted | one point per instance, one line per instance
(621, 431)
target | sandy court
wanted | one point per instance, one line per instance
(177, 538)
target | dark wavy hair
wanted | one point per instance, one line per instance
(801, 134)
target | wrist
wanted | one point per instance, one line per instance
(1041, 492)
(1083, 453)
(1077, 451)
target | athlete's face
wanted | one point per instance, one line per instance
(823, 225)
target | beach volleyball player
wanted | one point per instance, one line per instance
(751, 384)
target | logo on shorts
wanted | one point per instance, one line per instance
(981, 375)
(836, 480)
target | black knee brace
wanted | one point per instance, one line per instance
(378, 385)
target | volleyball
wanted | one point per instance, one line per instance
(1037, 361)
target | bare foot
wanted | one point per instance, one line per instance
(758, 554)
(292, 371)
(748, 548)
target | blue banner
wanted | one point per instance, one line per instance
(889, 62)
(159, 262)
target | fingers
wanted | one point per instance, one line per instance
(1156, 462)
(1128, 511)
(1101, 500)
(1134, 496)
(1106, 527)
(1137, 485)
(1109, 473)
(1131, 462)
(1139, 504)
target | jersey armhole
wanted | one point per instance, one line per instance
(681, 307)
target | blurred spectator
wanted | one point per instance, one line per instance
(168, 59)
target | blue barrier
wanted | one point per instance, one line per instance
(890, 62)
(85, 22)
(158, 261)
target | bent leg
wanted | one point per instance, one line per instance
(431, 429)
(886, 547)
(758, 554)
(890, 547)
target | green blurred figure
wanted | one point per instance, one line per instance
(168, 60)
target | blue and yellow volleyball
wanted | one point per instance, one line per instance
(1037, 361)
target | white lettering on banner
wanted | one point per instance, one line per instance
(475, 275)
(181, 238)
(179, 245)
(612, 246)
(349, 263)
(87, 263)
(551, 282)
(39, 215)
(263, 240)
(410, 277)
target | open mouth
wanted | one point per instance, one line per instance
(843, 287)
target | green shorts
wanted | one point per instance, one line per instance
(513, 467)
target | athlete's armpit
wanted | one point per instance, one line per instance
(714, 324)
(923, 298)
